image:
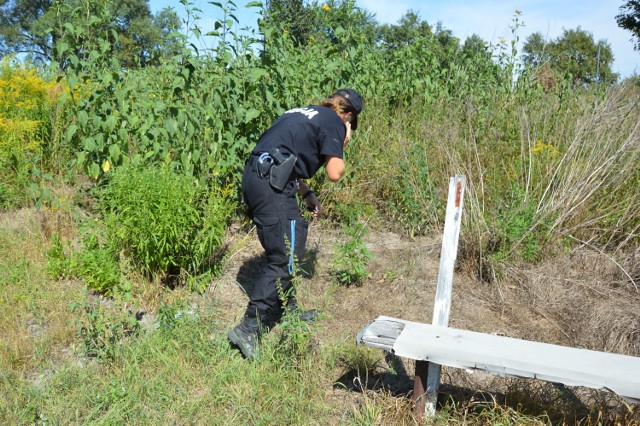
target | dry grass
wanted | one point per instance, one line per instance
(35, 324)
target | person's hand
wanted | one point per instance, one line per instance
(348, 137)
(313, 205)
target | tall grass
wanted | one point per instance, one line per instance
(540, 166)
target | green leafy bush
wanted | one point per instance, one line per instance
(27, 115)
(102, 329)
(99, 268)
(352, 258)
(165, 223)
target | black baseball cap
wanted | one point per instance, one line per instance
(355, 100)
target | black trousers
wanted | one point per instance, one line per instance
(283, 234)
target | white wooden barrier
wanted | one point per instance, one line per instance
(433, 345)
(505, 356)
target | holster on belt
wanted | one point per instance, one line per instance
(282, 169)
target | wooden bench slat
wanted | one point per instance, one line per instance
(505, 356)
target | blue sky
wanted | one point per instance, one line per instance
(490, 19)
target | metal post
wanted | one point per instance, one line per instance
(420, 388)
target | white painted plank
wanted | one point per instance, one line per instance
(448, 254)
(449, 251)
(505, 356)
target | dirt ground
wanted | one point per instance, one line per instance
(580, 298)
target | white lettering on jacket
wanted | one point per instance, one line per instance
(309, 112)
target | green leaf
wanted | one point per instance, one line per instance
(61, 48)
(110, 122)
(94, 170)
(254, 4)
(72, 81)
(89, 144)
(251, 114)
(83, 117)
(114, 153)
(258, 73)
(71, 131)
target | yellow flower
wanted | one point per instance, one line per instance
(541, 147)
(326, 8)
(106, 166)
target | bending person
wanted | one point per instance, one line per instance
(293, 149)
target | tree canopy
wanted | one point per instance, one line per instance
(573, 55)
(34, 27)
(629, 19)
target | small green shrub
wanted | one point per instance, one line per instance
(95, 263)
(518, 229)
(165, 223)
(98, 266)
(101, 272)
(101, 330)
(294, 339)
(170, 315)
(352, 258)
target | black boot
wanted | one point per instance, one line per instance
(246, 336)
(305, 315)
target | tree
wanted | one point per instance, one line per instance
(405, 33)
(534, 51)
(300, 21)
(34, 27)
(20, 27)
(629, 19)
(574, 54)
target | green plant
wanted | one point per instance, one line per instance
(352, 257)
(171, 315)
(28, 115)
(412, 197)
(98, 266)
(518, 230)
(200, 282)
(163, 221)
(59, 264)
(102, 330)
(294, 338)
